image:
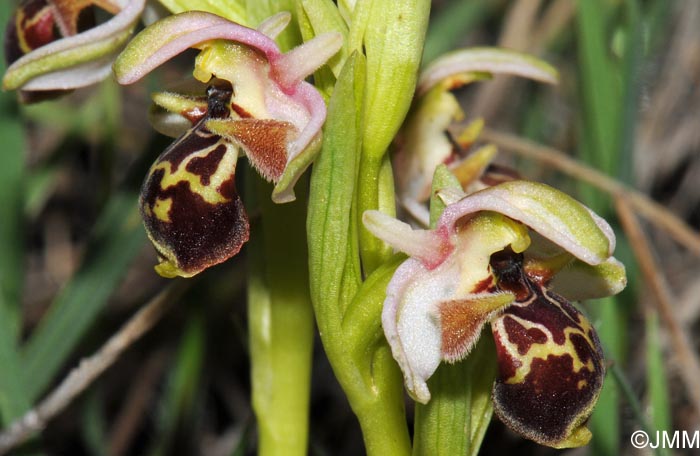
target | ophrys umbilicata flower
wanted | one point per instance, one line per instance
(257, 102)
(511, 255)
(51, 49)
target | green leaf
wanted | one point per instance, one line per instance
(332, 190)
(600, 84)
(459, 412)
(117, 238)
(14, 400)
(182, 383)
(335, 274)
(394, 45)
(94, 425)
(605, 420)
(658, 392)
(11, 218)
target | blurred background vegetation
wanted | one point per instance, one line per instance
(75, 263)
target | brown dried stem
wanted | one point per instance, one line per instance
(88, 370)
(645, 207)
(682, 345)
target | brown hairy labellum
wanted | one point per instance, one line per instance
(190, 207)
(551, 365)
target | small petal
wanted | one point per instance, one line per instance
(428, 246)
(485, 60)
(172, 114)
(461, 321)
(264, 141)
(291, 68)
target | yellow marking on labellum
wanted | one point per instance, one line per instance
(208, 192)
(543, 350)
(161, 209)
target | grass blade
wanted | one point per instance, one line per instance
(118, 236)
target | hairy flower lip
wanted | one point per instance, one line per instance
(441, 296)
(87, 56)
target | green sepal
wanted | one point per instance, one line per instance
(102, 50)
(442, 179)
(233, 10)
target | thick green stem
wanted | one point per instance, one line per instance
(381, 410)
(348, 310)
(281, 325)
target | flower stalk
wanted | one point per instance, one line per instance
(281, 325)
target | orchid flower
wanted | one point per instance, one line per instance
(257, 102)
(499, 256)
(423, 142)
(49, 51)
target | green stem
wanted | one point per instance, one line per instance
(375, 192)
(458, 414)
(347, 310)
(281, 325)
(381, 410)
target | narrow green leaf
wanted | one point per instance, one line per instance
(459, 412)
(658, 392)
(393, 40)
(182, 384)
(14, 400)
(11, 220)
(332, 191)
(605, 420)
(117, 237)
(631, 88)
(601, 91)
